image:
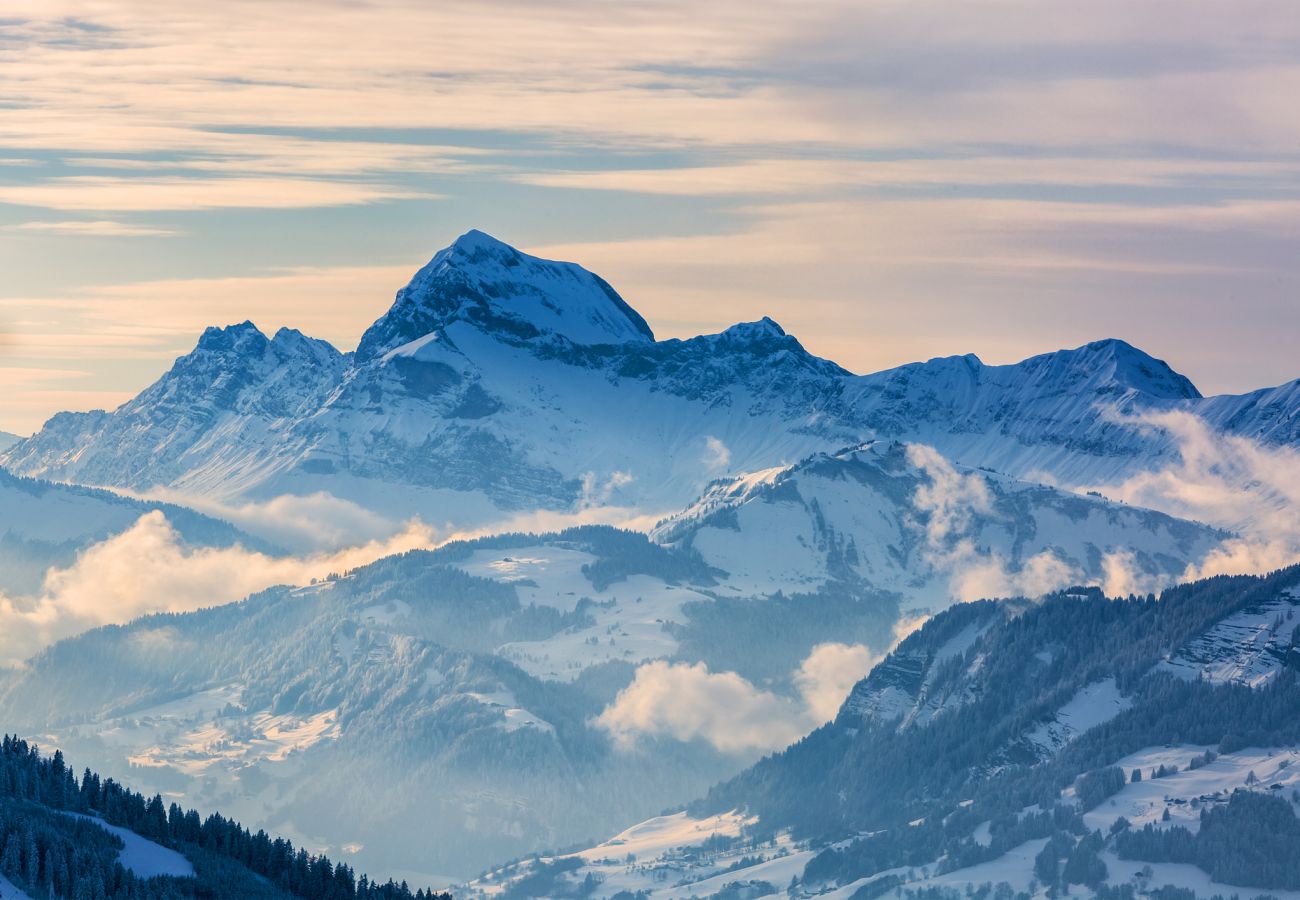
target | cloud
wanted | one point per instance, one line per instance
(93, 228)
(805, 177)
(148, 569)
(950, 499)
(300, 523)
(597, 491)
(92, 192)
(716, 454)
(688, 702)
(828, 674)
(1227, 480)
(949, 502)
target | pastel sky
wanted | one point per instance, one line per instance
(891, 180)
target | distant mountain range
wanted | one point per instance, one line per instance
(501, 382)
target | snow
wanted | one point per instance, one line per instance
(656, 836)
(189, 734)
(861, 512)
(1246, 648)
(1181, 875)
(144, 857)
(1015, 867)
(8, 891)
(513, 716)
(1146, 801)
(1094, 705)
(386, 613)
(627, 617)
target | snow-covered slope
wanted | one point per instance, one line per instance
(902, 519)
(498, 381)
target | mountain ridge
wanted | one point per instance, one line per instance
(498, 381)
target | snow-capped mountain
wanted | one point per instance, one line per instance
(904, 520)
(1009, 747)
(498, 381)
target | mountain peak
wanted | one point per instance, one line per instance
(476, 242)
(1124, 365)
(485, 283)
(240, 338)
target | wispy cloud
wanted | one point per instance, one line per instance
(93, 228)
(93, 192)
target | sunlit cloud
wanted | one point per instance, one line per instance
(689, 702)
(93, 228)
(133, 194)
(149, 569)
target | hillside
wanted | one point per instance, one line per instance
(1115, 744)
(493, 672)
(69, 836)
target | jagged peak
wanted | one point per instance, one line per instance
(292, 342)
(231, 337)
(1122, 363)
(764, 327)
(484, 282)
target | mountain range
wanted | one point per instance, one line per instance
(501, 382)
(435, 712)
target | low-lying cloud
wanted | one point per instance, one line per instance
(148, 568)
(1226, 480)
(689, 702)
(950, 501)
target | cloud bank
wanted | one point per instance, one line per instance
(148, 569)
(1227, 480)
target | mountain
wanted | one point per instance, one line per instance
(1123, 747)
(45, 525)
(66, 836)
(902, 519)
(498, 382)
(465, 687)
(7, 440)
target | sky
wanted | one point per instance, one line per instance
(889, 180)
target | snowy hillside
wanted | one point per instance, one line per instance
(904, 520)
(1023, 747)
(501, 663)
(499, 382)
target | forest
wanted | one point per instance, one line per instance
(50, 849)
